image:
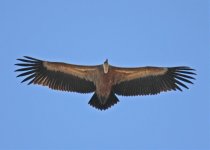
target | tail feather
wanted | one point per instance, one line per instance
(95, 102)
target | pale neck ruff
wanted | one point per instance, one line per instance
(106, 68)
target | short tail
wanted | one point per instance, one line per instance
(95, 102)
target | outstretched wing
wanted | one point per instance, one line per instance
(151, 80)
(58, 76)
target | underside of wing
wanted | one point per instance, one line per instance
(152, 80)
(58, 76)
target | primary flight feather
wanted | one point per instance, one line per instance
(104, 80)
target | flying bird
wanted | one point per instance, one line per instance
(105, 80)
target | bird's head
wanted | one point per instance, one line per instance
(106, 61)
(106, 66)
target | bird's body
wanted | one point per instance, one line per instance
(104, 83)
(104, 80)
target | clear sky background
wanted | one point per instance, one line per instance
(129, 33)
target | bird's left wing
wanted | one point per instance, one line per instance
(150, 80)
(57, 75)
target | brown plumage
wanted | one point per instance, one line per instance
(104, 80)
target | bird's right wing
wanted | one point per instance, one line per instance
(57, 75)
(150, 80)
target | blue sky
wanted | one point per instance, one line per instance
(129, 33)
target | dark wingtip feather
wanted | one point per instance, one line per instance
(177, 87)
(184, 68)
(28, 78)
(183, 79)
(26, 73)
(28, 68)
(28, 57)
(182, 75)
(186, 72)
(25, 64)
(27, 61)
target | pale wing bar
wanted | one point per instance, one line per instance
(35, 72)
(172, 79)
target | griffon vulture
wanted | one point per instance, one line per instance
(104, 80)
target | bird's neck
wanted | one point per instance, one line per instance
(106, 68)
